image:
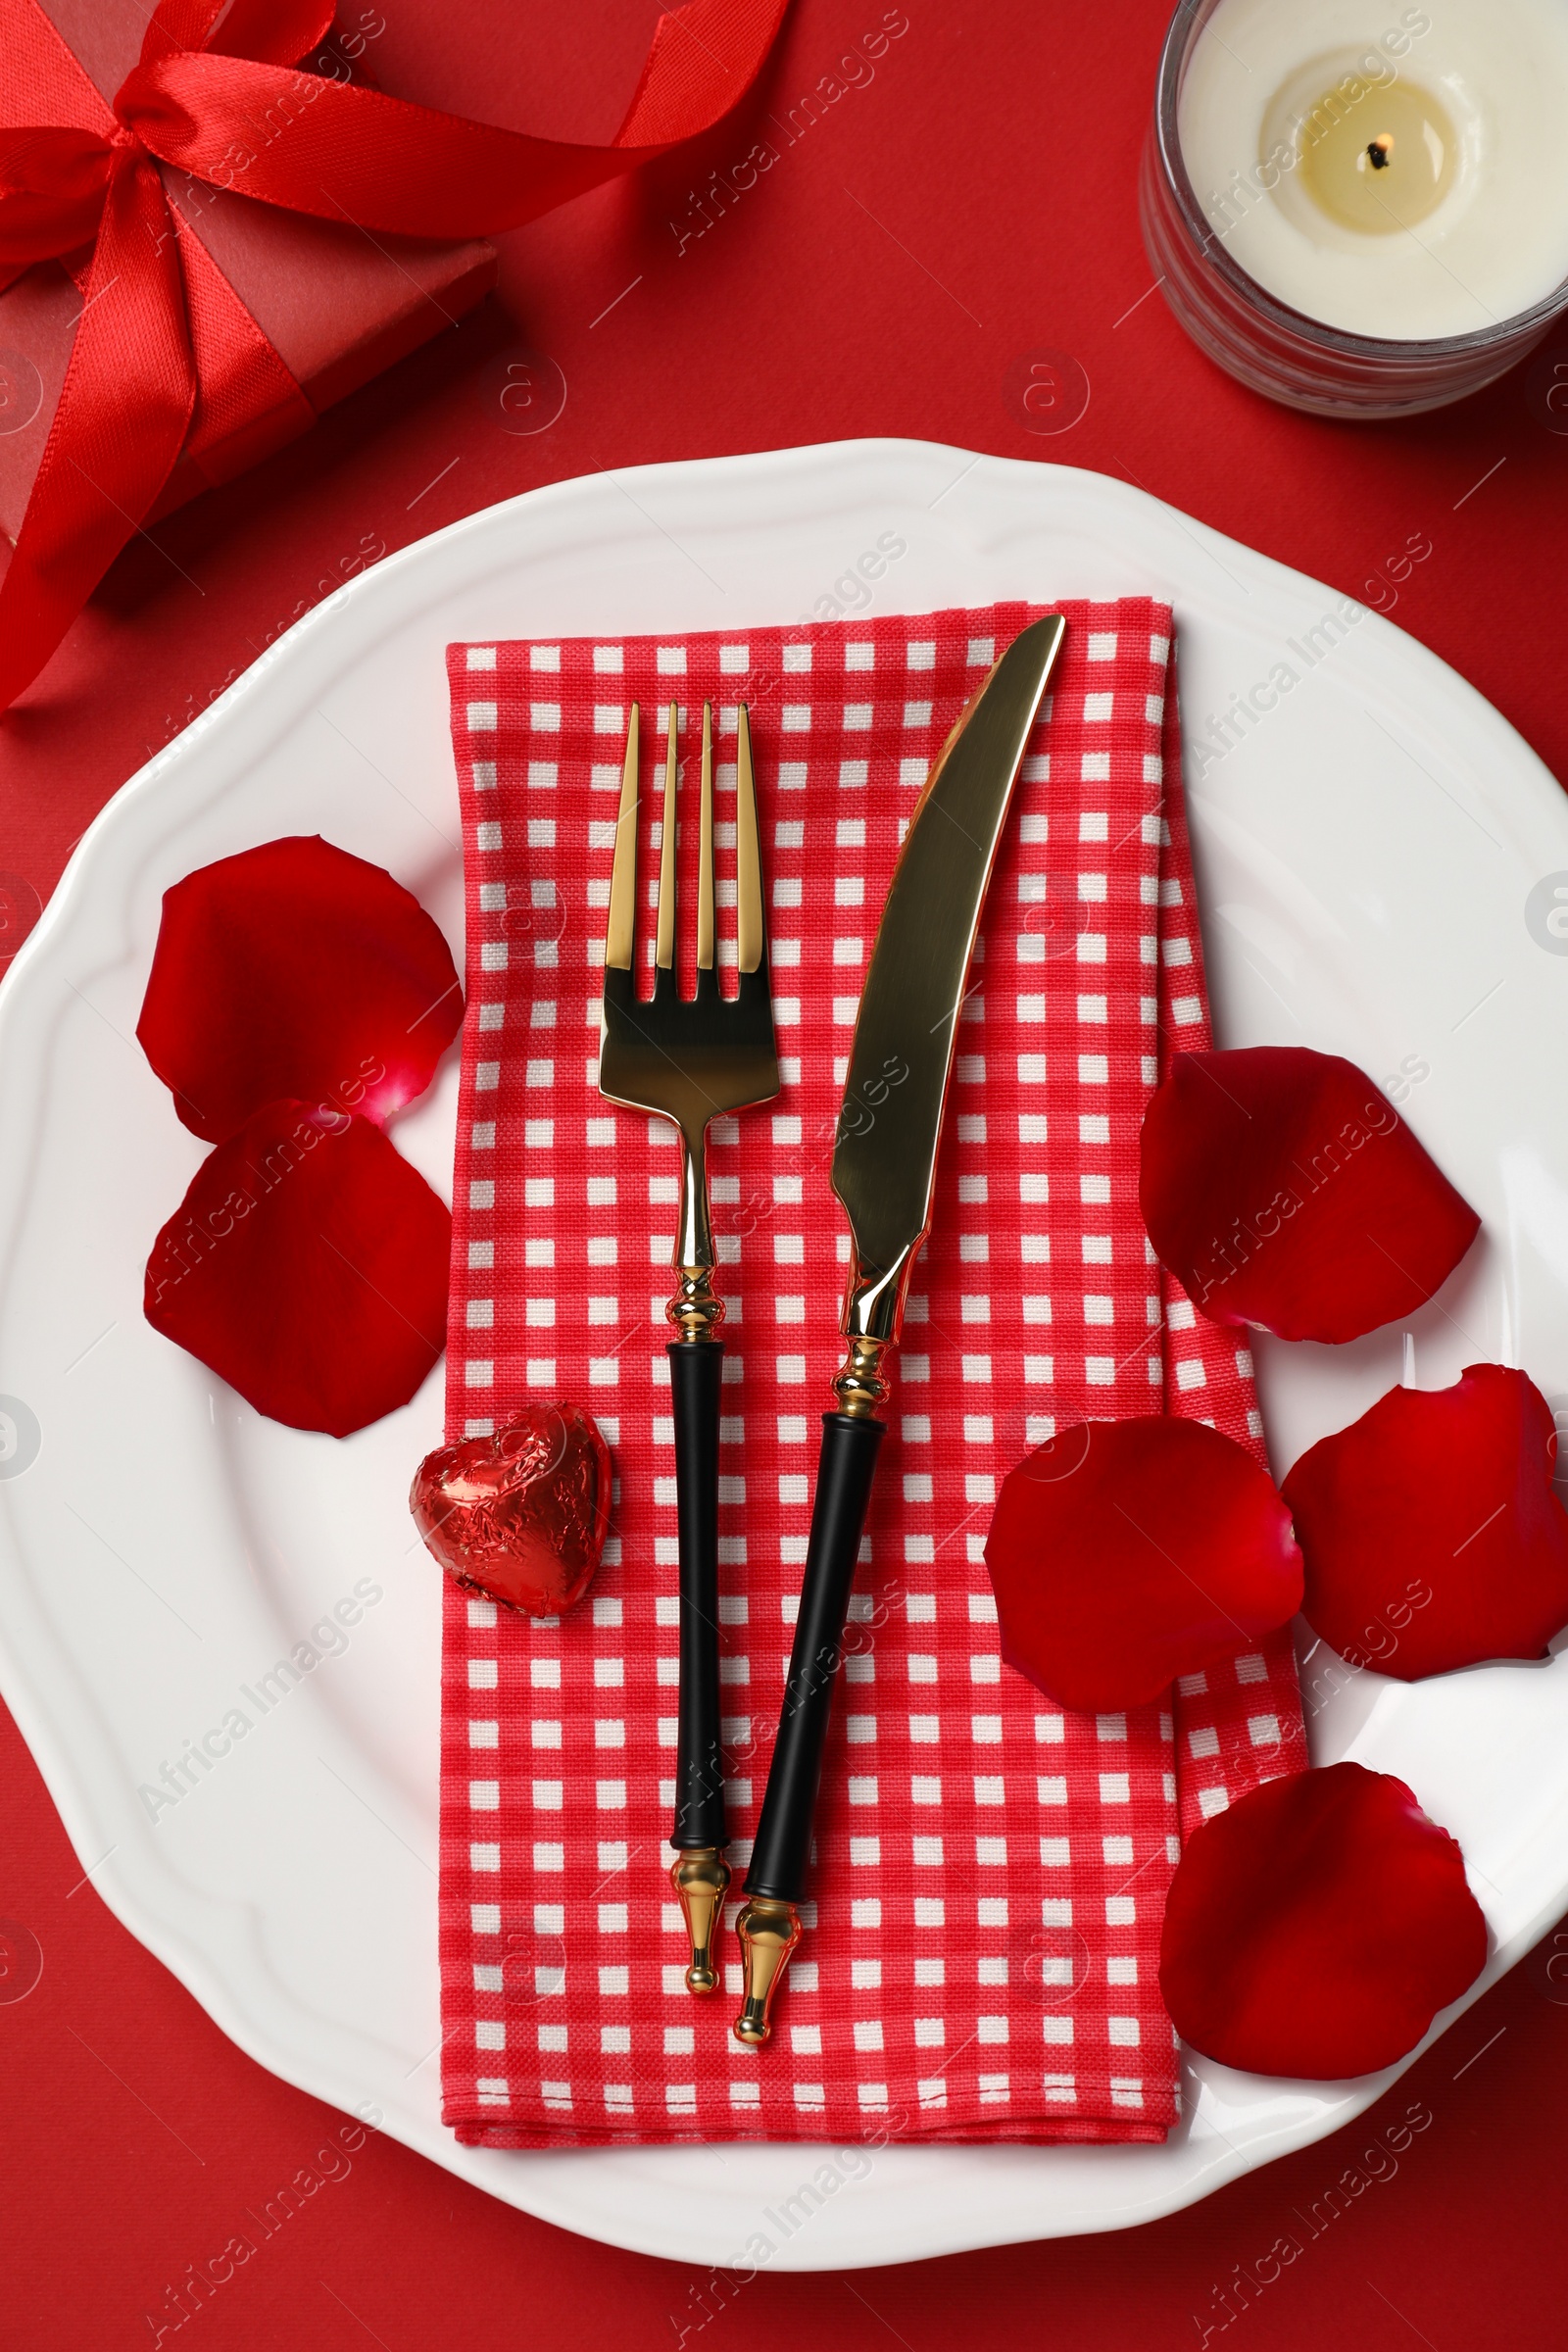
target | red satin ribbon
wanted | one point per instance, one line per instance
(162, 339)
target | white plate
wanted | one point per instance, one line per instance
(1365, 853)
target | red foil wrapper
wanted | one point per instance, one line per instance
(520, 1516)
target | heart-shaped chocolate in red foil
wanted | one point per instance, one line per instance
(522, 1515)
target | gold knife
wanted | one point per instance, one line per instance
(884, 1171)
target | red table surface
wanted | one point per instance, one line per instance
(966, 201)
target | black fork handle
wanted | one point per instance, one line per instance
(696, 1374)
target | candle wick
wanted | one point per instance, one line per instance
(1380, 151)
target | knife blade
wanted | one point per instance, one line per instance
(884, 1174)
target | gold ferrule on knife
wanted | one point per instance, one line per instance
(701, 1879)
(872, 1316)
(859, 1384)
(769, 1930)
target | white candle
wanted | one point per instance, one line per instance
(1405, 179)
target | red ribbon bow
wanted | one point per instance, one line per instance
(162, 337)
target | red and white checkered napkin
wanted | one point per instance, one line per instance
(980, 1957)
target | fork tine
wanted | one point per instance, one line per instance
(667, 863)
(620, 930)
(747, 853)
(704, 850)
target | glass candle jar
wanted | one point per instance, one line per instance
(1362, 223)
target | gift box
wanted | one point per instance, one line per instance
(213, 225)
(335, 304)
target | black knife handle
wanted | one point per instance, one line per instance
(844, 1469)
(696, 1372)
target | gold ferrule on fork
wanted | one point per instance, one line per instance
(700, 1879)
(694, 1309)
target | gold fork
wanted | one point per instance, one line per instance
(687, 1060)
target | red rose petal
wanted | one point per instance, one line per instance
(1124, 1553)
(294, 969)
(1432, 1535)
(1282, 1187)
(307, 1265)
(1317, 1927)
